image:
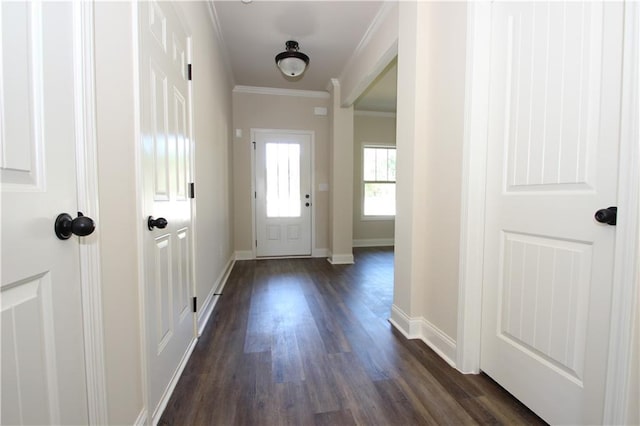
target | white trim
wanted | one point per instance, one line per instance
(140, 212)
(204, 313)
(374, 242)
(141, 420)
(377, 21)
(213, 15)
(420, 328)
(381, 114)
(87, 194)
(162, 404)
(320, 252)
(625, 276)
(473, 187)
(382, 62)
(244, 255)
(340, 259)
(281, 92)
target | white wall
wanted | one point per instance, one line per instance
(369, 129)
(212, 124)
(287, 110)
(115, 41)
(430, 119)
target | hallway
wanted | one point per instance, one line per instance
(299, 341)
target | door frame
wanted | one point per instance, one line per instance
(87, 198)
(254, 235)
(473, 200)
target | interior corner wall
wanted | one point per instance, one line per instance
(117, 230)
(369, 130)
(276, 111)
(430, 122)
(212, 123)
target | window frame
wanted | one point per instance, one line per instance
(363, 182)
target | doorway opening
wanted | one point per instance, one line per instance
(374, 171)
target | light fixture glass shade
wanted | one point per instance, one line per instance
(291, 62)
(292, 67)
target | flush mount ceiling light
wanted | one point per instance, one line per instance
(292, 63)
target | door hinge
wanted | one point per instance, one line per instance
(195, 304)
(189, 72)
(254, 144)
(255, 194)
(256, 243)
(192, 190)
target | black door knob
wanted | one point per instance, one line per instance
(160, 223)
(306, 204)
(81, 226)
(608, 215)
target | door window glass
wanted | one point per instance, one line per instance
(283, 180)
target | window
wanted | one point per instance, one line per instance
(283, 180)
(379, 181)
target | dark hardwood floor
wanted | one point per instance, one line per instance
(303, 342)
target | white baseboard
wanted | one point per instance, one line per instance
(157, 413)
(420, 328)
(374, 242)
(340, 259)
(142, 418)
(210, 302)
(320, 252)
(244, 255)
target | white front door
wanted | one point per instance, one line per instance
(283, 193)
(43, 365)
(554, 117)
(166, 166)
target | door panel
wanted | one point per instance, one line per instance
(166, 164)
(552, 161)
(42, 348)
(283, 197)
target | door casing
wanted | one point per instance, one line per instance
(87, 193)
(473, 208)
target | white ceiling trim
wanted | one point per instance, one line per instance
(363, 113)
(281, 92)
(368, 35)
(373, 28)
(223, 47)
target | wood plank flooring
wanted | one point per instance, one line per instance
(304, 342)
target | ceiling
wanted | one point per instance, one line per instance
(328, 31)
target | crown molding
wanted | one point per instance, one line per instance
(377, 21)
(364, 113)
(213, 15)
(281, 92)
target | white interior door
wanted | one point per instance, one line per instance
(283, 193)
(166, 164)
(554, 118)
(43, 366)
